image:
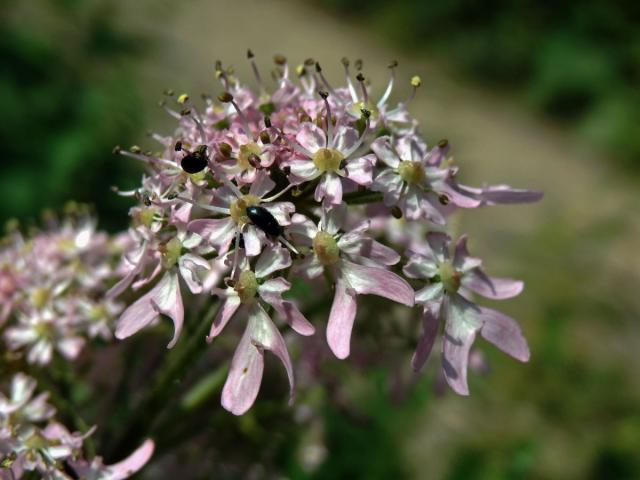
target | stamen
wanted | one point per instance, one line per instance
(387, 92)
(211, 208)
(223, 178)
(221, 75)
(287, 244)
(366, 114)
(235, 253)
(416, 81)
(256, 73)
(325, 96)
(226, 97)
(352, 88)
(365, 94)
(147, 159)
(281, 61)
(278, 195)
(324, 80)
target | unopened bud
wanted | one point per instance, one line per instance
(279, 59)
(225, 149)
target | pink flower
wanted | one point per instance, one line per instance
(328, 157)
(446, 297)
(251, 289)
(356, 262)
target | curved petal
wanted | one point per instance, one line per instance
(217, 231)
(505, 333)
(329, 189)
(495, 288)
(384, 151)
(345, 139)
(226, 311)
(193, 268)
(164, 298)
(262, 184)
(271, 292)
(462, 261)
(311, 137)
(132, 464)
(252, 244)
(461, 325)
(430, 293)
(341, 317)
(503, 194)
(271, 260)
(360, 170)
(430, 322)
(377, 281)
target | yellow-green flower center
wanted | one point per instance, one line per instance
(327, 159)
(40, 297)
(239, 208)
(146, 216)
(326, 248)
(449, 277)
(411, 172)
(245, 154)
(171, 252)
(247, 286)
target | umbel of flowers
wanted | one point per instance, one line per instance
(308, 179)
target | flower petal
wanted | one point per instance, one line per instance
(329, 189)
(164, 298)
(226, 311)
(271, 260)
(217, 231)
(132, 464)
(341, 317)
(495, 288)
(271, 292)
(505, 333)
(430, 322)
(377, 281)
(462, 323)
(360, 170)
(384, 151)
(311, 137)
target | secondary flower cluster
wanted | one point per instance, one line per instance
(31, 440)
(52, 286)
(298, 179)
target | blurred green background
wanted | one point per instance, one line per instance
(533, 94)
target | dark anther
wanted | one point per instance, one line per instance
(393, 64)
(365, 113)
(178, 146)
(309, 62)
(358, 64)
(318, 67)
(169, 93)
(117, 149)
(279, 59)
(254, 160)
(225, 97)
(225, 149)
(229, 282)
(345, 61)
(443, 143)
(135, 149)
(444, 199)
(267, 121)
(250, 53)
(264, 220)
(324, 95)
(360, 77)
(172, 196)
(185, 112)
(264, 137)
(396, 212)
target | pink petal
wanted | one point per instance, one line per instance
(217, 231)
(271, 292)
(495, 288)
(271, 260)
(329, 189)
(341, 317)
(458, 197)
(164, 298)
(133, 463)
(360, 170)
(191, 267)
(461, 259)
(505, 333)
(226, 311)
(303, 170)
(462, 323)
(430, 322)
(262, 184)
(345, 139)
(503, 194)
(252, 244)
(439, 243)
(384, 151)
(377, 281)
(311, 137)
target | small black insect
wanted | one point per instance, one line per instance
(194, 162)
(262, 218)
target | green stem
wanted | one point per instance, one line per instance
(151, 405)
(361, 198)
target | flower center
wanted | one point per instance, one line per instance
(40, 297)
(411, 172)
(239, 208)
(327, 159)
(247, 286)
(449, 277)
(245, 154)
(171, 252)
(326, 248)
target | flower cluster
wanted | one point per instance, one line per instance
(32, 440)
(306, 179)
(52, 286)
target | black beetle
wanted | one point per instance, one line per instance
(262, 218)
(195, 162)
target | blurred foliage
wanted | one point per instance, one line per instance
(67, 97)
(577, 61)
